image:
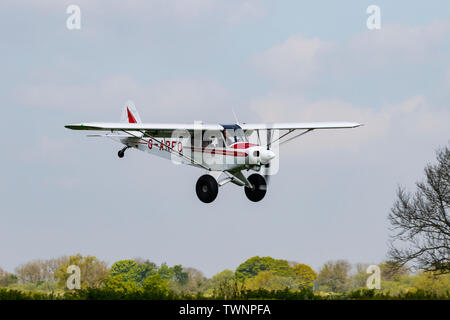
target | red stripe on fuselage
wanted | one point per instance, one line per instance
(220, 151)
(243, 145)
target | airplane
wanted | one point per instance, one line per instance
(220, 149)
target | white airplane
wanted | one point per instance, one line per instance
(221, 149)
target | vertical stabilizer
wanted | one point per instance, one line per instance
(129, 113)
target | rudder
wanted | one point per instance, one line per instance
(130, 113)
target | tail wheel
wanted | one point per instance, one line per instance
(259, 189)
(121, 152)
(207, 188)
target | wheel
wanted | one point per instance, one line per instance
(207, 188)
(259, 188)
(121, 153)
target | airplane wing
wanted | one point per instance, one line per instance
(104, 126)
(299, 125)
(166, 129)
(151, 129)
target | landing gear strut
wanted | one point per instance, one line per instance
(121, 152)
(207, 188)
(259, 189)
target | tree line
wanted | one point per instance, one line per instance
(139, 277)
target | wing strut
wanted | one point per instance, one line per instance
(269, 143)
(296, 136)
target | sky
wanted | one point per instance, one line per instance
(181, 61)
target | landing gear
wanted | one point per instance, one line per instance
(121, 152)
(207, 188)
(259, 189)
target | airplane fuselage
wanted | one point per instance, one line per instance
(237, 156)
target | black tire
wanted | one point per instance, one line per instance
(259, 188)
(207, 188)
(121, 153)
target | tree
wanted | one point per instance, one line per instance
(391, 271)
(334, 276)
(430, 282)
(221, 277)
(224, 285)
(304, 276)
(7, 278)
(270, 281)
(132, 270)
(118, 283)
(251, 267)
(39, 271)
(155, 285)
(122, 267)
(174, 274)
(358, 280)
(196, 282)
(179, 275)
(31, 272)
(165, 271)
(421, 221)
(93, 271)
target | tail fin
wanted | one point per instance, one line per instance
(129, 113)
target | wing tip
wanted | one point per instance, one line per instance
(78, 126)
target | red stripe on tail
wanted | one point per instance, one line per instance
(131, 119)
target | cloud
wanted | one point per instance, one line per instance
(407, 122)
(176, 98)
(296, 59)
(246, 10)
(394, 43)
(300, 60)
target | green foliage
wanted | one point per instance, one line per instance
(165, 272)
(132, 271)
(122, 267)
(179, 275)
(333, 277)
(260, 278)
(253, 266)
(174, 274)
(268, 280)
(156, 285)
(93, 271)
(366, 294)
(286, 294)
(7, 278)
(116, 287)
(391, 270)
(223, 285)
(158, 293)
(192, 282)
(304, 276)
(119, 283)
(9, 294)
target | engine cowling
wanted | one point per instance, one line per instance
(260, 155)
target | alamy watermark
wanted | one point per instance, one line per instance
(74, 280)
(374, 280)
(73, 22)
(374, 20)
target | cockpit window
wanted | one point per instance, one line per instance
(213, 139)
(233, 136)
